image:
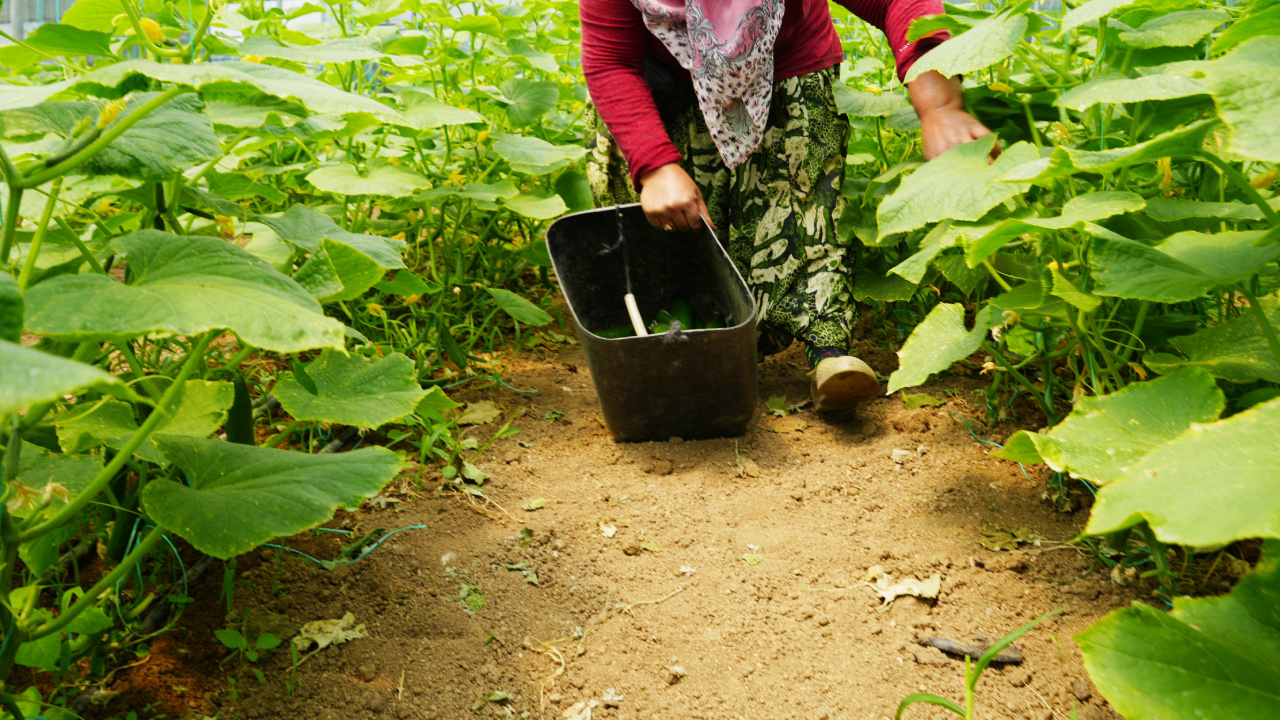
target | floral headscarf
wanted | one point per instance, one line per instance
(727, 45)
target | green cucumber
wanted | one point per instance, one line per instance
(716, 321)
(683, 312)
(614, 333)
(11, 309)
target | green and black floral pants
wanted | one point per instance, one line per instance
(780, 208)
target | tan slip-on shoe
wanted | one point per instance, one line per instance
(840, 382)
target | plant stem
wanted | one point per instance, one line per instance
(33, 252)
(1044, 58)
(91, 596)
(995, 274)
(161, 413)
(10, 223)
(1004, 362)
(105, 139)
(10, 703)
(1268, 331)
(1241, 182)
(84, 249)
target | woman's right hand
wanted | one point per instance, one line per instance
(671, 199)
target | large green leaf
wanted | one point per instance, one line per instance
(173, 137)
(32, 377)
(533, 155)
(988, 42)
(313, 94)
(1216, 483)
(537, 205)
(382, 179)
(70, 41)
(860, 103)
(1104, 436)
(960, 184)
(1067, 161)
(307, 227)
(185, 285)
(343, 264)
(1235, 350)
(518, 307)
(352, 390)
(239, 496)
(1183, 267)
(1121, 89)
(1090, 12)
(92, 14)
(1211, 657)
(337, 50)
(938, 342)
(1075, 213)
(424, 112)
(1166, 210)
(197, 411)
(1175, 29)
(529, 100)
(1246, 88)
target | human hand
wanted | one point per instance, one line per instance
(939, 101)
(671, 199)
(944, 129)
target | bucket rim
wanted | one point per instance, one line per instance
(706, 228)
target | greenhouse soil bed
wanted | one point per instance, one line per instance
(797, 635)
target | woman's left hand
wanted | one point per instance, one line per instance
(939, 101)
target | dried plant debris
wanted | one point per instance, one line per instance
(888, 590)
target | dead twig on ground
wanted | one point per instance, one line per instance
(625, 608)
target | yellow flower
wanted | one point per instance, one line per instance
(999, 87)
(110, 112)
(456, 176)
(482, 136)
(253, 58)
(874, 89)
(1140, 371)
(1264, 180)
(988, 367)
(376, 310)
(1165, 165)
(226, 225)
(152, 30)
(412, 300)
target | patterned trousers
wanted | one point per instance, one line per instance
(778, 210)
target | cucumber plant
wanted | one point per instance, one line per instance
(1116, 266)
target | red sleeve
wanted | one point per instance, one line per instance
(894, 18)
(613, 44)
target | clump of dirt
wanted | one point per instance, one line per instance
(683, 579)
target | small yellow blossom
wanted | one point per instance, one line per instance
(1000, 87)
(253, 58)
(412, 300)
(1264, 180)
(1165, 165)
(110, 112)
(456, 176)
(376, 310)
(1138, 370)
(226, 225)
(988, 367)
(874, 89)
(152, 30)
(482, 136)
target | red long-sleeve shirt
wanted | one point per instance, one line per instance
(615, 41)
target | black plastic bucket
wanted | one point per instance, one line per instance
(690, 384)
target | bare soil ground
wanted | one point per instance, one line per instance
(666, 614)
